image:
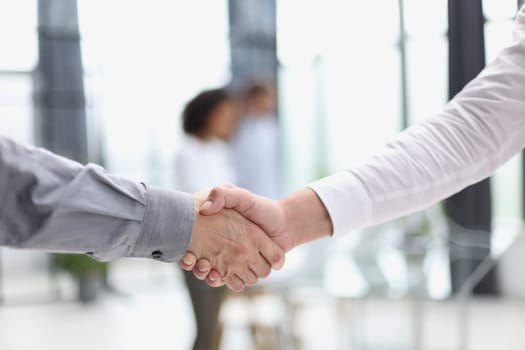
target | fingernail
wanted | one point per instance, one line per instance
(212, 278)
(187, 260)
(203, 268)
(206, 205)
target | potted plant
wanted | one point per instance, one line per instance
(87, 272)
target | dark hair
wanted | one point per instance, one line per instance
(197, 112)
(257, 89)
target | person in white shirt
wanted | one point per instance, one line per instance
(256, 143)
(478, 130)
(204, 160)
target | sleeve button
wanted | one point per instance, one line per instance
(157, 254)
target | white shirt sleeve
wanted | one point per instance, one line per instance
(480, 129)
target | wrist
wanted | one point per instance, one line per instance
(289, 227)
(305, 217)
(198, 199)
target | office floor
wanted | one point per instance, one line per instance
(160, 321)
(156, 314)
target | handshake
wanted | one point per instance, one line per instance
(239, 237)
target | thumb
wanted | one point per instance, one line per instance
(228, 197)
(212, 206)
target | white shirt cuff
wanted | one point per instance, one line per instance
(346, 199)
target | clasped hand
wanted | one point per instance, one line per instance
(238, 237)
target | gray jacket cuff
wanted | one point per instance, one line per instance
(167, 225)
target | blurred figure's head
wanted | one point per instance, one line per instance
(210, 114)
(260, 100)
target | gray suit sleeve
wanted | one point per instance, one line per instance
(52, 203)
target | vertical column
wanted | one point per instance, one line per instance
(520, 4)
(405, 117)
(253, 41)
(469, 212)
(60, 117)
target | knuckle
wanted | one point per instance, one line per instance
(214, 193)
(240, 249)
(231, 270)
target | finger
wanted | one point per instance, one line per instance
(188, 261)
(214, 203)
(261, 268)
(249, 277)
(202, 269)
(273, 254)
(235, 283)
(215, 284)
(214, 279)
(226, 197)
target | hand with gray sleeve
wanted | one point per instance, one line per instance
(55, 204)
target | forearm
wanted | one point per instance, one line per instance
(479, 130)
(306, 217)
(52, 203)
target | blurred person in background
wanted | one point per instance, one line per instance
(204, 160)
(256, 145)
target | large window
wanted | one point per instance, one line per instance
(353, 73)
(18, 40)
(427, 57)
(344, 66)
(143, 61)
